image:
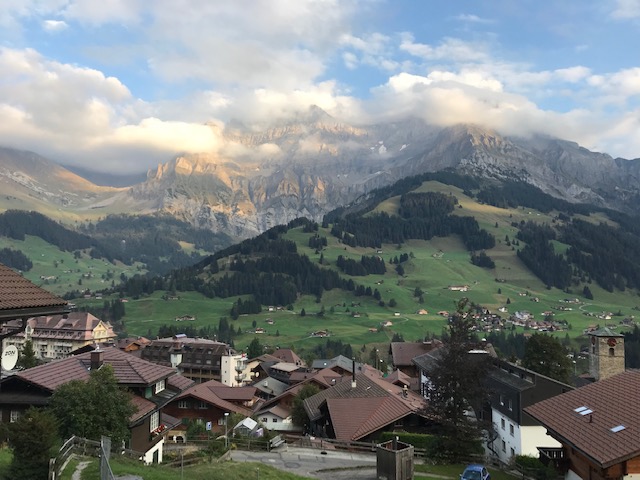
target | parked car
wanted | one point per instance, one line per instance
(475, 472)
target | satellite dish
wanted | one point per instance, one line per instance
(9, 357)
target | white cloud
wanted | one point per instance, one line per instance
(449, 49)
(626, 9)
(54, 25)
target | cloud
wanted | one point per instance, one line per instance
(54, 25)
(470, 18)
(626, 9)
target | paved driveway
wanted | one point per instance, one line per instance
(311, 463)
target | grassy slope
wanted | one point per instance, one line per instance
(69, 270)
(434, 265)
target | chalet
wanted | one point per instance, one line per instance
(597, 428)
(152, 387)
(339, 364)
(209, 402)
(363, 408)
(403, 353)
(289, 356)
(275, 413)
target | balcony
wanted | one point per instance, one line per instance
(555, 456)
(240, 377)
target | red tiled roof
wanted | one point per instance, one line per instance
(613, 401)
(17, 294)
(128, 369)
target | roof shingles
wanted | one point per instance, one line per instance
(613, 401)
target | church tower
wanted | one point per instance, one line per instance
(606, 354)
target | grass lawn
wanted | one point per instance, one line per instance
(205, 471)
(5, 461)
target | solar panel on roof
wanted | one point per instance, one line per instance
(580, 409)
(586, 412)
(618, 428)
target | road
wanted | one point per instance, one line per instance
(311, 463)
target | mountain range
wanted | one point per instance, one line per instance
(311, 166)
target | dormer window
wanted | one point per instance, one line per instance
(160, 386)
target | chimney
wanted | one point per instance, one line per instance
(353, 369)
(97, 359)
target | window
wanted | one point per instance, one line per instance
(513, 452)
(221, 421)
(203, 405)
(159, 386)
(264, 420)
(504, 446)
(511, 430)
(502, 423)
(274, 419)
(154, 421)
(612, 352)
(183, 404)
(15, 414)
(510, 405)
(501, 399)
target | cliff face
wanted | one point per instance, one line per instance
(308, 167)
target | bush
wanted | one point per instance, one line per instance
(533, 467)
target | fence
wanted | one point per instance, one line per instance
(84, 447)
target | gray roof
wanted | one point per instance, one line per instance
(271, 386)
(605, 332)
(339, 361)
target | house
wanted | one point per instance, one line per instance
(268, 388)
(597, 427)
(339, 364)
(361, 409)
(196, 358)
(275, 413)
(289, 356)
(403, 353)
(56, 336)
(209, 402)
(133, 344)
(152, 387)
(512, 389)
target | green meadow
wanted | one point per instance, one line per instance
(433, 267)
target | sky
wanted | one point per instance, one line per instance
(122, 85)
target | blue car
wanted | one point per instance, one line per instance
(475, 472)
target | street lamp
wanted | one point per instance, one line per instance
(226, 438)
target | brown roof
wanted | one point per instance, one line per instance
(77, 326)
(370, 406)
(206, 393)
(609, 403)
(403, 352)
(354, 418)
(288, 355)
(19, 297)
(128, 369)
